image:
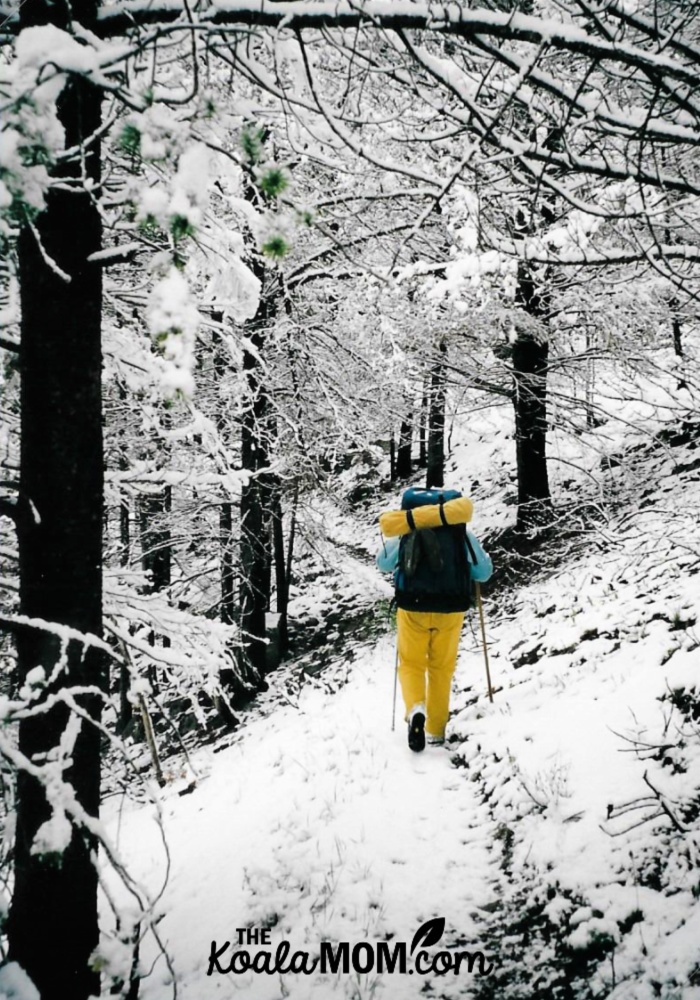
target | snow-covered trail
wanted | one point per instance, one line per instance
(320, 824)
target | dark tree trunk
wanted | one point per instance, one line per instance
(435, 475)
(124, 531)
(403, 455)
(227, 612)
(678, 345)
(256, 434)
(255, 573)
(590, 381)
(291, 538)
(392, 456)
(125, 706)
(256, 549)
(530, 362)
(281, 574)
(156, 541)
(124, 505)
(228, 573)
(156, 552)
(677, 337)
(52, 927)
(423, 426)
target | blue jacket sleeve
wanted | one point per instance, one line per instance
(483, 567)
(388, 555)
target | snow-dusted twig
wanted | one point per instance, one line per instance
(664, 803)
(48, 260)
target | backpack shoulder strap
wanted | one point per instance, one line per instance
(472, 553)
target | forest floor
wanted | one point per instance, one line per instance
(321, 825)
(557, 832)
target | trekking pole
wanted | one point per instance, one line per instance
(483, 639)
(396, 678)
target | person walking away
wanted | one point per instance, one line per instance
(435, 561)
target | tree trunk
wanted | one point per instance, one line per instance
(156, 552)
(228, 575)
(124, 504)
(281, 575)
(435, 475)
(124, 530)
(589, 381)
(125, 707)
(52, 926)
(530, 361)
(227, 570)
(403, 455)
(423, 426)
(256, 553)
(156, 541)
(677, 337)
(255, 573)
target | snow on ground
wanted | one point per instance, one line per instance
(320, 824)
(590, 757)
(597, 806)
(560, 830)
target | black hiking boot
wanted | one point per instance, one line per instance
(416, 732)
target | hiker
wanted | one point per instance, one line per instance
(435, 561)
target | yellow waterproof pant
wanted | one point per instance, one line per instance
(427, 645)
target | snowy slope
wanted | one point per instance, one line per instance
(558, 832)
(320, 824)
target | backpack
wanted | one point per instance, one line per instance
(433, 571)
